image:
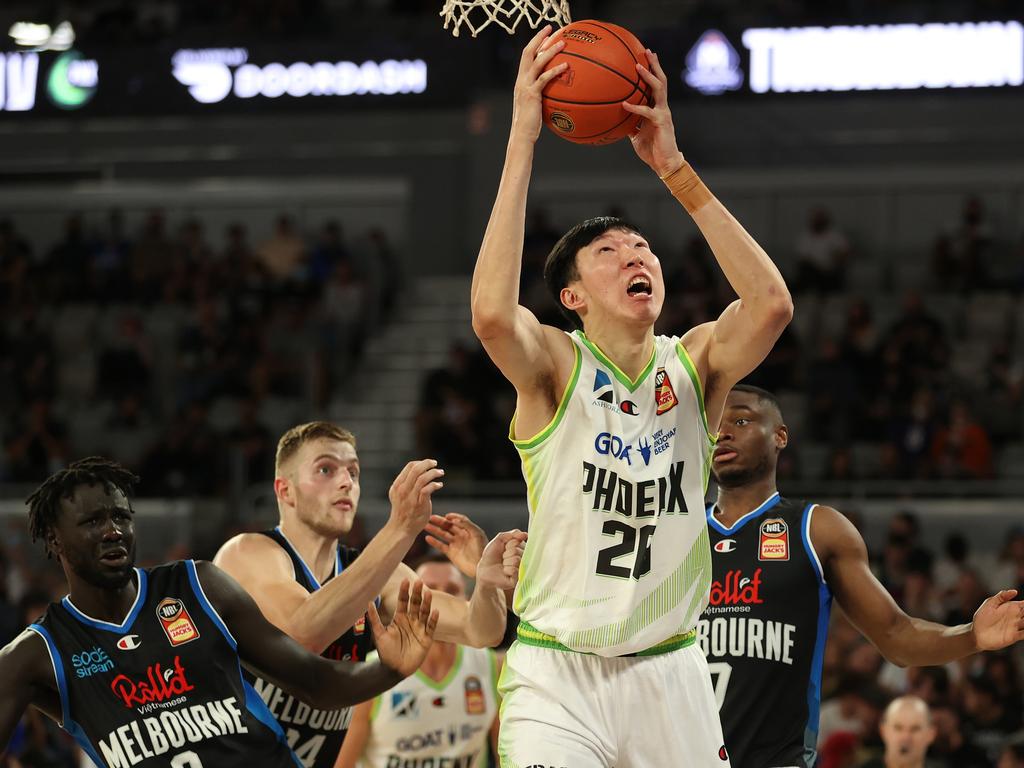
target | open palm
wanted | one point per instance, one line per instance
(460, 539)
(403, 644)
(999, 621)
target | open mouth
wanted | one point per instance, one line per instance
(117, 556)
(639, 286)
(343, 504)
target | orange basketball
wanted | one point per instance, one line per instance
(584, 104)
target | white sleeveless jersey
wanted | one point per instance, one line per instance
(618, 559)
(422, 723)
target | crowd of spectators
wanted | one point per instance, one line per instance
(881, 382)
(976, 704)
(176, 350)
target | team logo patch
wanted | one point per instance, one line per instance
(403, 704)
(725, 545)
(774, 540)
(604, 396)
(129, 642)
(177, 624)
(475, 704)
(664, 395)
(562, 122)
(359, 627)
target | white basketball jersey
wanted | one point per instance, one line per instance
(423, 723)
(618, 559)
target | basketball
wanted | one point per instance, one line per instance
(584, 104)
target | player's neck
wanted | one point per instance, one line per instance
(105, 604)
(734, 503)
(439, 660)
(318, 552)
(629, 347)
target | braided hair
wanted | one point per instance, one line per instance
(44, 503)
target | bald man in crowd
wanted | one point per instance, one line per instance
(907, 732)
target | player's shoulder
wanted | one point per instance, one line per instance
(832, 531)
(252, 552)
(26, 656)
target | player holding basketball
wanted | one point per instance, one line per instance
(315, 589)
(615, 428)
(778, 563)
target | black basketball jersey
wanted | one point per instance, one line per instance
(764, 632)
(315, 734)
(162, 688)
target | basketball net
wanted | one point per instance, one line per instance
(477, 14)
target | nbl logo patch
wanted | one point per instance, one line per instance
(664, 394)
(774, 544)
(176, 623)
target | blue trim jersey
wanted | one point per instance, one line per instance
(764, 632)
(316, 735)
(162, 688)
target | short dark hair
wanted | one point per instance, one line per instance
(44, 502)
(560, 266)
(762, 394)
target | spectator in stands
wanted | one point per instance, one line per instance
(917, 344)
(951, 747)
(37, 443)
(969, 247)
(907, 732)
(329, 251)
(109, 259)
(187, 459)
(68, 262)
(125, 365)
(252, 443)
(1004, 395)
(919, 595)
(151, 258)
(961, 448)
(1012, 755)
(839, 467)
(822, 252)
(833, 394)
(284, 253)
(989, 720)
(913, 434)
(1010, 566)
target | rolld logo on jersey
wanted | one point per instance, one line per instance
(177, 624)
(774, 544)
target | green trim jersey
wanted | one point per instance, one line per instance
(618, 560)
(425, 723)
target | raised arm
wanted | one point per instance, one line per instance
(26, 679)
(316, 619)
(902, 639)
(479, 621)
(731, 347)
(317, 681)
(527, 353)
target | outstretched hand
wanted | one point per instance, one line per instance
(460, 540)
(655, 141)
(999, 621)
(526, 112)
(499, 565)
(403, 644)
(410, 494)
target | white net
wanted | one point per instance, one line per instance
(476, 15)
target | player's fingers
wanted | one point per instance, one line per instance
(441, 521)
(654, 64)
(544, 57)
(441, 532)
(530, 51)
(428, 491)
(376, 625)
(659, 91)
(416, 597)
(432, 623)
(403, 475)
(403, 596)
(424, 612)
(441, 546)
(638, 109)
(426, 472)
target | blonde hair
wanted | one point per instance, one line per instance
(296, 437)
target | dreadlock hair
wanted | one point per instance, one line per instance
(44, 503)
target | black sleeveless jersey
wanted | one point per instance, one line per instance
(315, 734)
(163, 687)
(764, 632)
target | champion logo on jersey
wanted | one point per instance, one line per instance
(774, 544)
(725, 545)
(177, 624)
(474, 692)
(129, 642)
(664, 394)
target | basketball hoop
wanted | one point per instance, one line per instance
(505, 13)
